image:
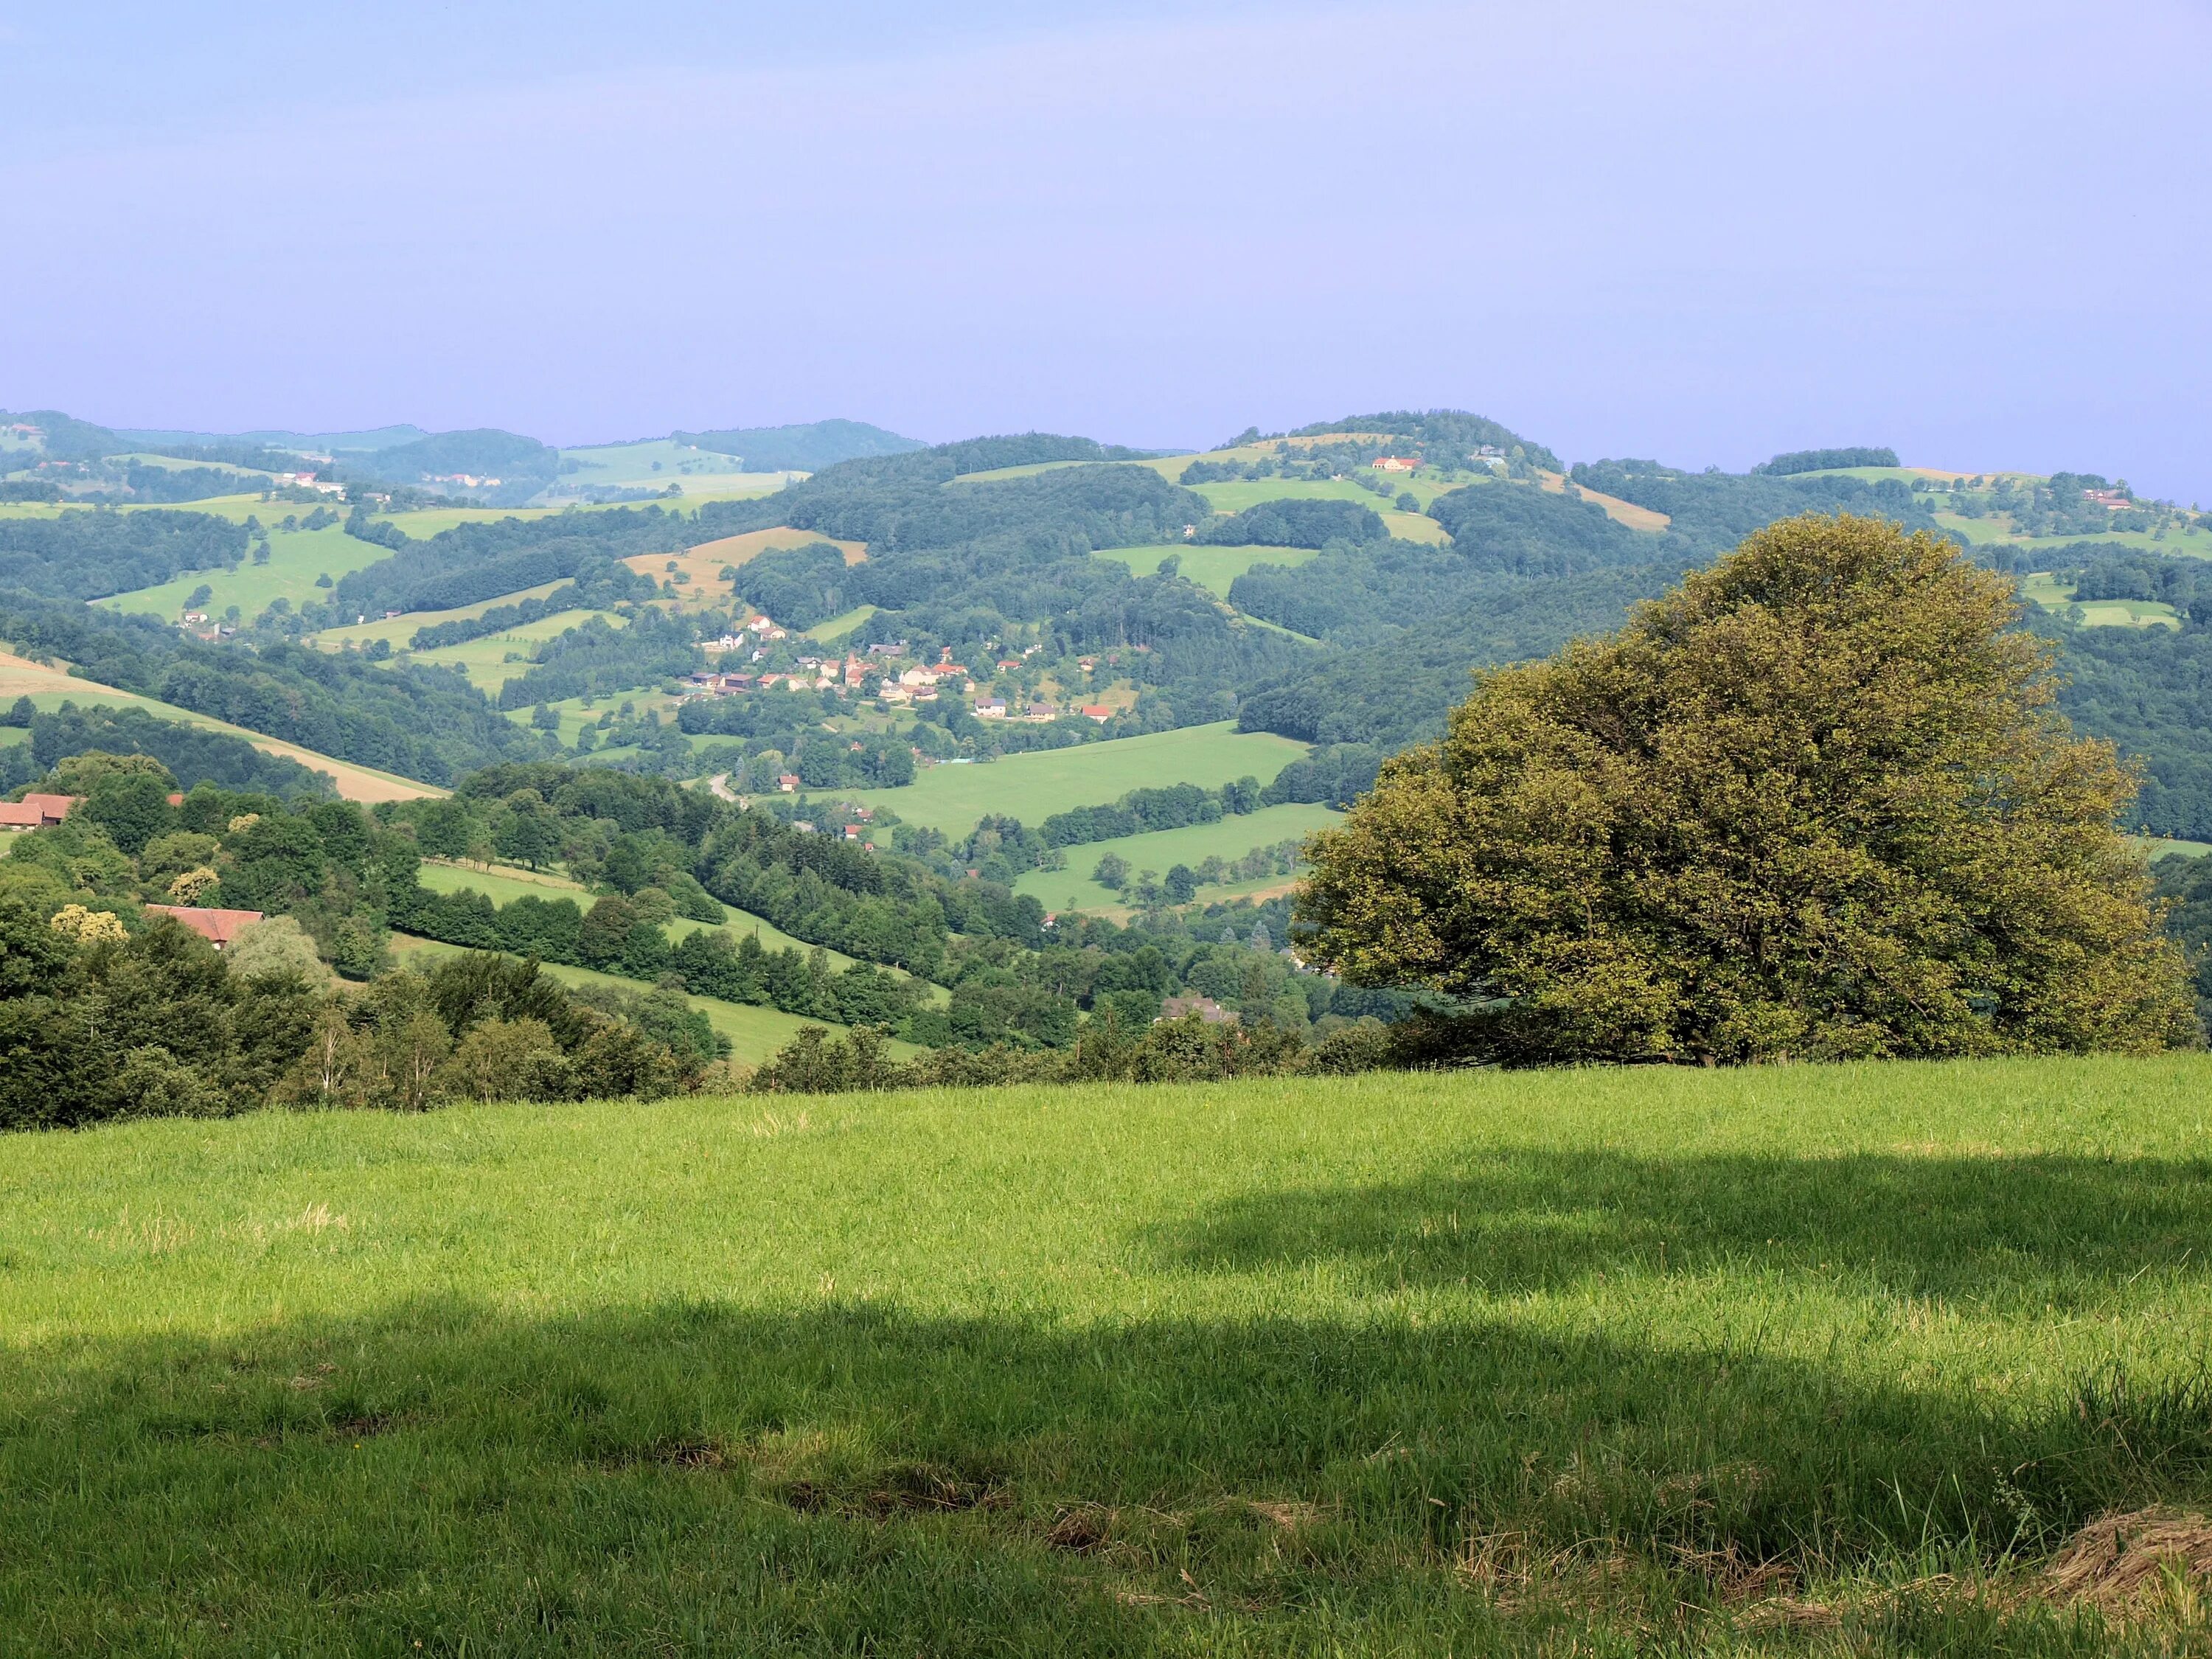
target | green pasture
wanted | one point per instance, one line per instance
(1792, 1359)
(2047, 590)
(237, 509)
(493, 660)
(659, 462)
(397, 630)
(1987, 532)
(503, 884)
(577, 713)
(1160, 851)
(296, 558)
(1239, 493)
(422, 525)
(1211, 567)
(838, 627)
(755, 1033)
(953, 798)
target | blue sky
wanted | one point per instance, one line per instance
(1699, 231)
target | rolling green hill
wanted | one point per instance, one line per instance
(1801, 1359)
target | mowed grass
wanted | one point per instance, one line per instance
(1160, 851)
(1033, 787)
(1791, 1359)
(48, 688)
(296, 558)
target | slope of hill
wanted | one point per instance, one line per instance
(51, 688)
(1427, 1362)
(807, 447)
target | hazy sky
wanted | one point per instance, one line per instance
(1703, 232)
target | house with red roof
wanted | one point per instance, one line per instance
(217, 927)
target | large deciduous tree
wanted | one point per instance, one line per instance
(1814, 803)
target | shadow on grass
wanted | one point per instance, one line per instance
(2001, 1231)
(849, 1478)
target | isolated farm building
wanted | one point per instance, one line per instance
(788, 783)
(1397, 463)
(1095, 711)
(1205, 1008)
(36, 811)
(217, 927)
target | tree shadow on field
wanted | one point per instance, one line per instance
(1999, 1231)
(846, 1477)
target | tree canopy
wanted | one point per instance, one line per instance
(1814, 803)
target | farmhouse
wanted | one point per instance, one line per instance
(1039, 711)
(35, 812)
(1205, 1008)
(1397, 463)
(2111, 498)
(990, 709)
(1095, 711)
(218, 927)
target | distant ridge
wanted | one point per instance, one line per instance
(804, 449)
(330, 443)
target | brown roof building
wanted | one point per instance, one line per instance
(218, 927)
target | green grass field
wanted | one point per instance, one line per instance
(1239, 493)
(296, 557)
(1032, 787)
(755, 1034)
(2051, 594)
(1796, 1359)
(397, 630)
(494, 658)
(1072, 888)
(1982, 532)
(503, 884)
(1211, 567)
(837, 626)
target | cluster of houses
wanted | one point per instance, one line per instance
(310, 480)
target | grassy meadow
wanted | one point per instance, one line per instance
(296, 558)
(396, 631)
(2047, 590)
(1161, 850)
(492, 660)
(504, 884)
(1796, 1359)
(1213, 567)
(1033, 787)
(755, 1033)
